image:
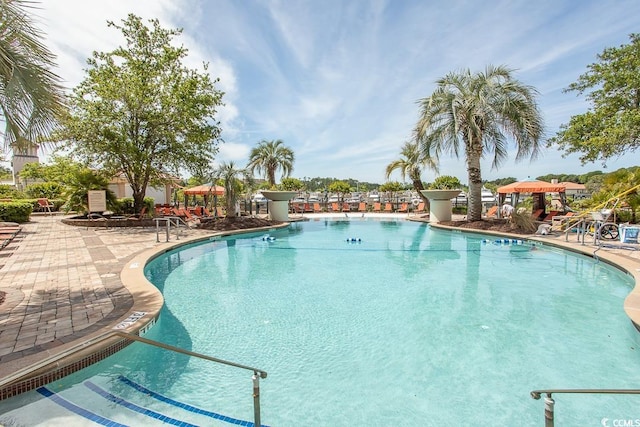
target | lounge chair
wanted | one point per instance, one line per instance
(404, 208)
(335, 207)
(140, 216)
(492, 212)
(307, 208)
(377, 207)
(420, 207)
(537, 214)
(388, 207)
(317, 208)
(346, 207)
(550, 216)
(362, 207)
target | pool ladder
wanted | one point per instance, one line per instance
(169, 221)
(549, 403)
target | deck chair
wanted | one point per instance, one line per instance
(362, 207)
(44, 205)
(550, 216)
(388, 207)
(420, 207)
(346, 207)
(377, 207)
(317, 208)
(296, 208)
(404, 208)
(334, 207)
(537, 214)
(219, 212)
(307, 208)
(492, 212)
(140, 216)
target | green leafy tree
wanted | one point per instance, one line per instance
(410, 164)
(140, 112)
(340, 187)
(269, 156)
(476, 114)
(611, 127)
(291, 184)
(446, 182)
(31, 95)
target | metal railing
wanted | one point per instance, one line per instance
(169, 221)
(55, 360)
(549, 403)
(257, 373)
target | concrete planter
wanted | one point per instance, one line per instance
(440, 204)
(279, 204)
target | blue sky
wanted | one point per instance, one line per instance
(338, 81)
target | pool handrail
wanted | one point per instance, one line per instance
(257, 373)
(549, 403)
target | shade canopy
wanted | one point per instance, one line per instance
(205, 189)
(532, 186)
(537, 188)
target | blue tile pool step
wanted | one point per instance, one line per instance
(165, 411)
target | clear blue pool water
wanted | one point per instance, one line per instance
(407, 326)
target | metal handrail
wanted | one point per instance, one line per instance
(169, 221)
(549, 403)
(257, 373)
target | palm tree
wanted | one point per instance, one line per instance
(479, 111)
(232, 185)
(268, 156)
(31, 95)
(411, 164)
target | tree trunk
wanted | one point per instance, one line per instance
(474, 153)
(417, 184)
(138, 201)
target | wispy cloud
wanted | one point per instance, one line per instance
(338, 81)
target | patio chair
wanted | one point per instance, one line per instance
(404, 208)
(44, 205)
(388, 207)
(377, 207)
(346, 207)
(317, 208)
(362, 207)
(420, 207)
(334, 207)
(492, 212)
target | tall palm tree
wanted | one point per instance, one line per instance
(31, 95)
(270, 156)
(477, 113)
(230, 176)
(411, 164)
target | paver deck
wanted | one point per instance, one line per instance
(63, 283)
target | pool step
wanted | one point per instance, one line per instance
(113, 402)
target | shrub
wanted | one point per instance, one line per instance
(125, 205)
(524, 222)
(18, 211)
(49, 190)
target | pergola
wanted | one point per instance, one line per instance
(536, 188)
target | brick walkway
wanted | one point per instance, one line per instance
(62, 283)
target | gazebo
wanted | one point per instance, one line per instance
(536, 188)
(205, 190)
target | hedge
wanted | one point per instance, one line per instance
(18, 211)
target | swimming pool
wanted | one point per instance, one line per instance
(380, 322)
